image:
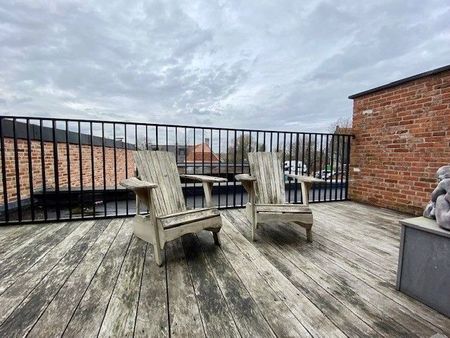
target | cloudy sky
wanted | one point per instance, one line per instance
(287, 65)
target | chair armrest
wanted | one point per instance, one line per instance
(245, 178)
(204, 178)
(305, 179)
(134, 184)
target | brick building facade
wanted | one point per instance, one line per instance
(402, 136)
(79, 165)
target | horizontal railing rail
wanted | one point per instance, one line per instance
(62, 169)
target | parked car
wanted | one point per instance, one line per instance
(325, 174)
(291, 166)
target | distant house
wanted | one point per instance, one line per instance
(201, 159)
(201, 153)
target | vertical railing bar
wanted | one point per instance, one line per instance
(320, 165)
(4, 178)
(44, 178)
(80, 158)
(136, 149)
(264, 141)
(331, 167)
(125, 125)
(17, 170)
(234, 168)
(296, 168)
(290, 167)
(146, 137)
(92, 169)
(56, 170)
(211, 155)
(115, 168)
(69, 178)
(303, 162)
(219, 171)
(347, 171)
(104, 170)
(195, 169)
(337, 168)
(157, 137)
(326, 170)
(30, 170)
(271, 135)
(176, 146)
(227, 189)
(314, 166)
(203, 161)
(185, 159)
(242, 162)
(257, 141)
(284, 161)
(278, 143)
(342, 166)
(167, 138)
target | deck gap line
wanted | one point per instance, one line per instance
(262, 277)
(64, 283)
(90, 281)
(42, 257)
(167, 292)
(393, 319)
(140, 287)
(218, 284)
(193, 288)
(42, 278)
(114, 287)
(340, 265)
(315, 282)
(245, 287)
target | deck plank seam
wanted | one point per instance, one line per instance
(195, 295)
(218, 284)
(62, 284)
(140, 287)
(365, 283)
(325, 290)
(249, 293)
(169, 330)
(92, 278)
(115, 283)
(268, 285)
(40, 258)
(36, 285)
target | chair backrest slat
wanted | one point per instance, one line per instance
(267, 169)
(160, 167)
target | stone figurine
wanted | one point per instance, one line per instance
(439, 206)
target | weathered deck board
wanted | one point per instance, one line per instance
(94, 278)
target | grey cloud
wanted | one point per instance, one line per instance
(278, 65)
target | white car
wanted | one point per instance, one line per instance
(290, 166)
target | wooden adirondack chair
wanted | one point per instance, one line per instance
(158, 188)
(267, 200)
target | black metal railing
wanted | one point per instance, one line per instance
(63, 169)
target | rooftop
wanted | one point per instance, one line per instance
(96, 278)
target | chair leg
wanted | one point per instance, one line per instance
(157, 250)
(216, 238)
(309, 235)
(254, 227)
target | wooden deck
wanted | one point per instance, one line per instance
(96, 279)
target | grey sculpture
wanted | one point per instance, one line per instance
(439, 206)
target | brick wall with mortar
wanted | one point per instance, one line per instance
(63, 167)
(402, 138)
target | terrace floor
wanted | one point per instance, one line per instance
(95, 278)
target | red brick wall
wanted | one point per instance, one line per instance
(402, 138)
(74, 156)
